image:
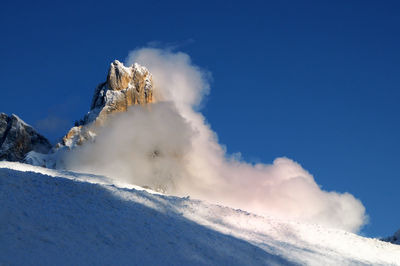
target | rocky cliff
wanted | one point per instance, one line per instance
(18, 138)
(124, 87)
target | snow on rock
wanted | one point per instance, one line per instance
(18, 138)
(58, 217)
(125, 86)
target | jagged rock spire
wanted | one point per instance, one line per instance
(124, 87)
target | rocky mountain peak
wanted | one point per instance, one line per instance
(119, 76)
(18, 138)
(124, 87)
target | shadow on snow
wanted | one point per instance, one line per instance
(46, 220)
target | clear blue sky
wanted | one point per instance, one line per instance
(316, 81)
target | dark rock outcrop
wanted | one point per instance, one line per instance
(395, 239)
(18, 138)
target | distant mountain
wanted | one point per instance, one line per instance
(394, 239)
(18, 138)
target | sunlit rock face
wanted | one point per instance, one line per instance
(18, 138)
(124, 87)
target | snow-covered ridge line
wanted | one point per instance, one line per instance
(82, 177)
(52, 214)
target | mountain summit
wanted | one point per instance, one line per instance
(125, 86)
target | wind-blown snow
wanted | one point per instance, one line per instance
(50, 217)
(169, 146)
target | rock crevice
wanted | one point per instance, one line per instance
(4, 120)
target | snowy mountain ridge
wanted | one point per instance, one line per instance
(62, 217)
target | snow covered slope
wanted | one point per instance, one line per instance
(50, 217)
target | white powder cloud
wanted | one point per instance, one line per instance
(169, 146)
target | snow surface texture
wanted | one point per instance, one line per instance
(50, 217)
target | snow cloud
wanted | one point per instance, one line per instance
(169, 146)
